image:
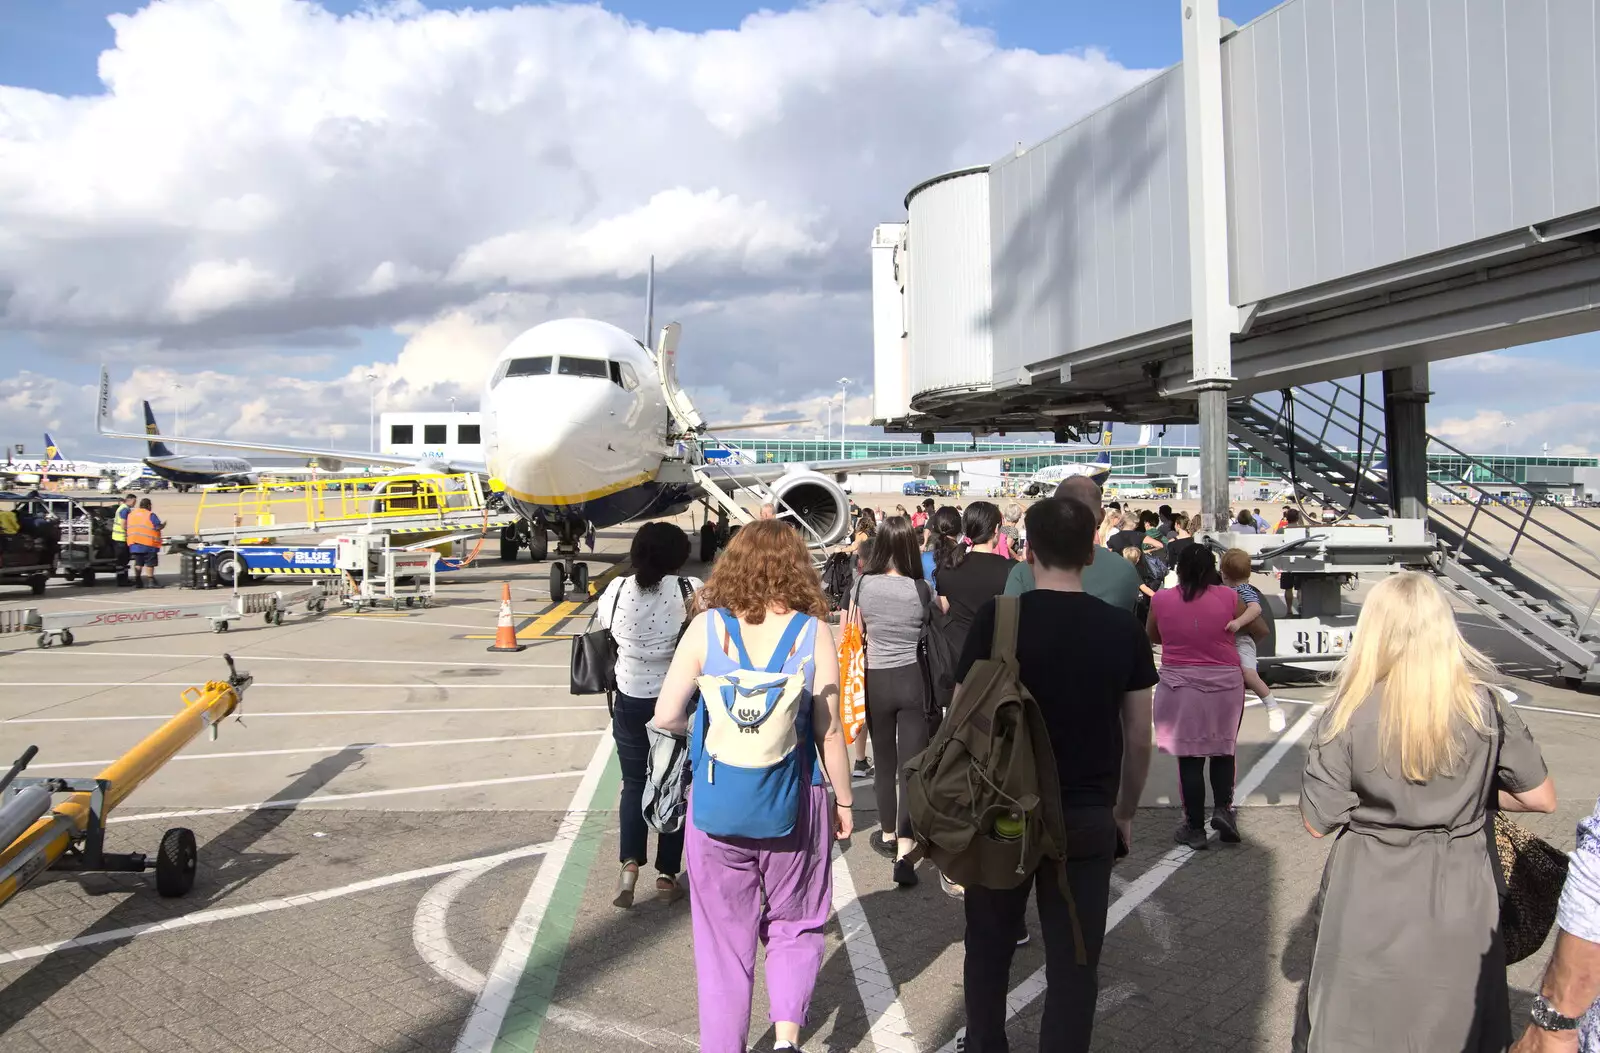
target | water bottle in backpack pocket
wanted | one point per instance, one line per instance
(751, 741)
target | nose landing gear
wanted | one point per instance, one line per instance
(566, 570)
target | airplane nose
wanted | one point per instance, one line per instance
(559, 450)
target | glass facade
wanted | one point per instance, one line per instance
(1123, 462)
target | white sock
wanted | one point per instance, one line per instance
(1270, 702)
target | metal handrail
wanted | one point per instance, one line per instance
(1483, 501)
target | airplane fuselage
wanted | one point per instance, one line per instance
(576, 427)
(1050, 476)
(201, 470)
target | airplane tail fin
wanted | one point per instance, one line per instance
(157, 449)
(52, 452)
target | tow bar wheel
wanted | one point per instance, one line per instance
(176, 861)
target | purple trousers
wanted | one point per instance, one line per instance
(727, 879)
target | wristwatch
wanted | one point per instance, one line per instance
(1547, 1018)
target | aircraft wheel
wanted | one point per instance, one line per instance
(558, 583)
(580, 579)
(176, 862)
(538, 543)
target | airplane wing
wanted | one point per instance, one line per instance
(103, 409)
(739, 475)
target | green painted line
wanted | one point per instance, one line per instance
(531, 1002)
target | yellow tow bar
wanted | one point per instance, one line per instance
(71, 834)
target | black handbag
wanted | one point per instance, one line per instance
(594, 658)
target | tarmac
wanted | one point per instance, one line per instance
(409, 843)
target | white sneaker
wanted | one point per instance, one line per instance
(1277, 720)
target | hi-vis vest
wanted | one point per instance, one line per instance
(142, 529)
(119, 524)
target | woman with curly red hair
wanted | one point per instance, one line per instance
(763, 599)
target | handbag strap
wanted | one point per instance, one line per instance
(1491, 801)
(612, 624)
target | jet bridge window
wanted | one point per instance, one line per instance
(400, 434)
(433, 434)
(584, 367)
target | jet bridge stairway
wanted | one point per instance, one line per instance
(1481, 531)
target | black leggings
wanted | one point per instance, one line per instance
(897, 721)
(1192, 782)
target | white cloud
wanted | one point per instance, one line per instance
(211, 286)
(266, 165)
(1570, 429)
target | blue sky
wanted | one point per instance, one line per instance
(52, 45)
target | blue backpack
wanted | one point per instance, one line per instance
(751, 738)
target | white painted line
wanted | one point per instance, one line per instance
(205, 917)
(482, 1027)
(348, 746)
(333, 798)
(886, 1017)
(85, 651)
(585, 1024)
(1562, 712)
(430, 934)
(1145, 885)
(253, 714)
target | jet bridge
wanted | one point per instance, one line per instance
(1338, 188)
(1342, 186)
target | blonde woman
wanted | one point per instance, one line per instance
(1403, 766)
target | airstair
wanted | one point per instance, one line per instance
(1328, 442)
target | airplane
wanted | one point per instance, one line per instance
(582, 426)
(1045, 480)
(185, 471)
(54, 465)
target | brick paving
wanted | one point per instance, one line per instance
(1213, 961)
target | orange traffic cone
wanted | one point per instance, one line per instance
(505, 634)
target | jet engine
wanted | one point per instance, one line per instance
(817, 502)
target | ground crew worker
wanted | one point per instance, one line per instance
(119, 537)
(144, 543)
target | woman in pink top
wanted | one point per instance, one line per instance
(1200, 700)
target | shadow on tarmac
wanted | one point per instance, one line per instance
(226, 865)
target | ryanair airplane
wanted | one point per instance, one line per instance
(586, 428)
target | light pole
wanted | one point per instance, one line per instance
(452, 403)
(177, 398)
(1507, 425)
(372, 413)
(844, 404)
(827, 431)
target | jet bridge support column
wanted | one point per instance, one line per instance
(1405, 429)
(1215, 317)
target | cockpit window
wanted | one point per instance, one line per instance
(530, 367)
(583, 367)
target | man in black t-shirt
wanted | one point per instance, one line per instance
(1088, 665)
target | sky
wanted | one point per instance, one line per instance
(245, 207)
